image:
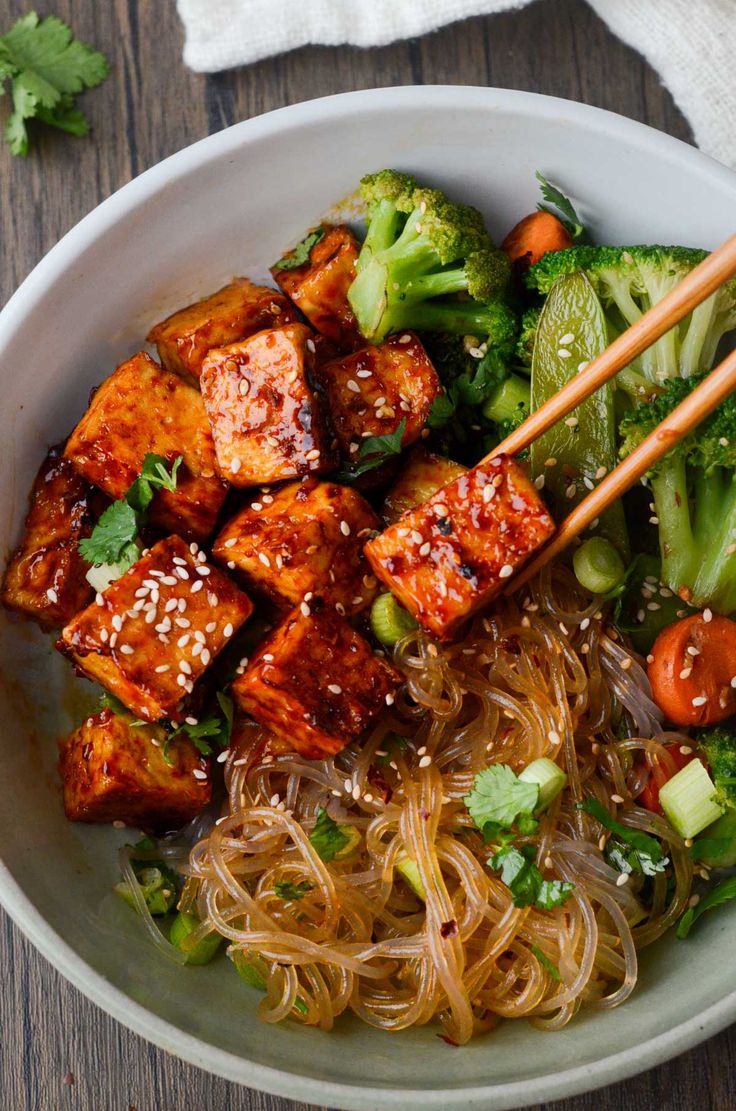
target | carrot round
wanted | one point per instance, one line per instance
(534, 236)
(692, 665)
(660, 774)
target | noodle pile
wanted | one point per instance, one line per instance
(543, 675)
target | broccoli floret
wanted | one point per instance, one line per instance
(694, 489)
(719, 746)
(628, 281)
(420, 249)
(527, 336)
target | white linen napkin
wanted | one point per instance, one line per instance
(691, 43)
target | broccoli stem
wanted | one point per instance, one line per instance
(715, 578)
(466, 318)
(677, 543)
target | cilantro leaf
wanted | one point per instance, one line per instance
(153, 475)
(300, 255)
(716, 897)
(47, 67)
(110, 702)
(546, 963)
(374, 451)
(524, 880)
(296, 891)
(327, 837)
(562, 207)
(500, 796)
(394, 745)
(214, 726)
(112, 537)
(634, 850)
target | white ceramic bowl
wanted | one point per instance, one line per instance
(225, 205)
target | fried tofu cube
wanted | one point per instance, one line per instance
(113, 771)
(451, 555)
(143, 408)
(236, 311)
(319, 287)
(424, 474)
(45, 578)
(265, 416)
(315, 682)
(307, 536)
(370, 392)
(155, 630)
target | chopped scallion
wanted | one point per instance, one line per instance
(688, 800)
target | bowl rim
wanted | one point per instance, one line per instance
(114, 1001)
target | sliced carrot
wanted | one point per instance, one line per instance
(660, 774)
(534, 236)
(693, 663)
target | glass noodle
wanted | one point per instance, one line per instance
(543, 674)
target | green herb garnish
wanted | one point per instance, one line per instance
(500, 797)
(562, 207)
(300, 255)
(716, 897)
(327, 837)
(113, 537)
(46, 67)
(374, 452)
(525, 881)
(295, 891)
(546, 963)
(633, 851)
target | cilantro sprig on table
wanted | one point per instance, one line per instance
(113, 537)
(502, 807)
(46, 67)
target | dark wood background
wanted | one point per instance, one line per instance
(57, 1050)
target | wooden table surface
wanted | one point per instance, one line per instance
(57, 1050)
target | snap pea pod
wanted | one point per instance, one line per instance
(578, 451)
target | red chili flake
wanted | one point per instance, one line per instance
(68, 1079)
(449, 929)
(512, 644)
(424, 815)
(379, 783)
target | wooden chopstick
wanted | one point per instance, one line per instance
(699, 284)
(703, 400)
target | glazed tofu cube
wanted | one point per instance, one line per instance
(45, 578)
(143, 408)
(319, 287)
(370, 392)
(451, 555)
(424, 474)
(307, 536)
(315, 682)
(112, 771)
(236, 311)
(265, 417)
(154, 632)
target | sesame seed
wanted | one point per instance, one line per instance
(700, 700)
(602, 842)
(312, 455)
(181, 679)
(340, 608)
(692, 650)
(622, 879)
(183, 641)
(571, 490)
(707, 615)
(168, 580)
(199, 774)
(425, 548)
(582, 366)
(567, 338)
(196, 586)
(626, 663)
(506, 571)
(52, 595)
(617, 798)
(182, 622)
(352, 385)
(686, 673)
(588, 483)
(488, 492)
(584, 624)
(264, 559)
(204, 571)
(551, 462)
(117, 622)
(150, 617)
(196, 649)
(653, 606)
(344, 528)
(425, 761)
(304, 607)
(356, 791)
(162, 668)
(406, 338)
(235, 464)
(554, 737)
(389, 699)
(364, 374)
(228, 630)
(538, 482)
(417, 537)
(335, 688)
(185, 667)
(205, 657)
(572, 422)
(563, 353)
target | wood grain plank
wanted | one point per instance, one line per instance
(150, 107)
